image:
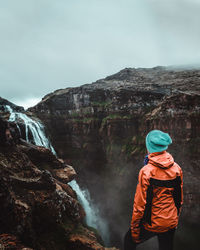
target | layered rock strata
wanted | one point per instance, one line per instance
(100, 128)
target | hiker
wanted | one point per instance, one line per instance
(159, 196)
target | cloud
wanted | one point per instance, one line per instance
(26, 102)
(47, 45)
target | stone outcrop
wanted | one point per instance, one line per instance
(4, 102)
(8, 241)
(99, 128)
(39, 210)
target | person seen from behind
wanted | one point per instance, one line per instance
(159, 196)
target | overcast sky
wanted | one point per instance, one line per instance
(46, 44)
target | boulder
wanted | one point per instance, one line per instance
(65, 174)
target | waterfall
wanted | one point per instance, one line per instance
(35, 127)
(39, 138)
(93, 219)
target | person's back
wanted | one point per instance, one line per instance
(158, 196)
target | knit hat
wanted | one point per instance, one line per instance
(157, 141)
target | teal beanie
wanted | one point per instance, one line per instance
(157, 141)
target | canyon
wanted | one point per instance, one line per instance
(42, 206)
(100, 130)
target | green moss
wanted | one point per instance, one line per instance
(90, 119)
(86, 112)
(77, 120)
(104, 104)
(128, 148)
(108, 148)
(80, 119)
(111, 116)
(115, 116)
(103, 122)
(127, 117)
(74, 114)
(134, 145)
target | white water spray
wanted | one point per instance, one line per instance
(38, 133)
(35, 127)
(93, 219)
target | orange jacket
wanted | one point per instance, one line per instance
(159, 195)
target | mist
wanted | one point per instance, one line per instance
(47, 45)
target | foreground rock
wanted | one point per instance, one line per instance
(38, 208)
(8, 241)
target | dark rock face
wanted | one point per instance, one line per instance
(180, 116)
(100, 128)
(4, 102)
(8, 241)
(9, 133)
(38, 207)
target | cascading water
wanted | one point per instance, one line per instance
(35, 127)
(39, 138)
(93, 219)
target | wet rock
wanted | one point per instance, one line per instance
(85, 241)
(67, 189)
(40, 155)
(8, 241)
(3, 126)
(36, 206)
(66, 174)
(9, 134)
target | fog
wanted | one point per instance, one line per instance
(46, 45)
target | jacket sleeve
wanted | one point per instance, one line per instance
(139, 205)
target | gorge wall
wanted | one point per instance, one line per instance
(100, 129)
(39, 209)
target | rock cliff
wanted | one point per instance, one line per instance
(4, 102)
(100, 128)
(38, 210)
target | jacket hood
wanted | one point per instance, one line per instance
(161, 159)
